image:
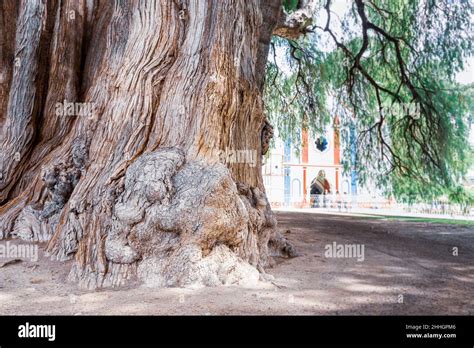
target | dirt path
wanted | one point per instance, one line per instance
(408, 268)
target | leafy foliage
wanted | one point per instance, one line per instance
(389, 69)
(290, 5)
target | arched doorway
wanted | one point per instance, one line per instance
(320, 187)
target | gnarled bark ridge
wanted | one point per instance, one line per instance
(114, 119)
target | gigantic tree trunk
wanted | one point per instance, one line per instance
(139, 187)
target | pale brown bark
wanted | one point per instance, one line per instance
(140, 188)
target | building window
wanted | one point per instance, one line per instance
(296, 188)
(346, 187)
(321, 144)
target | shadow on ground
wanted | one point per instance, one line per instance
(408, 268)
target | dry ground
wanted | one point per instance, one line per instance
(401, 258)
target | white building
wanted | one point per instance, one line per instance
(290, 176)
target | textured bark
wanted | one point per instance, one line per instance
(140, 187)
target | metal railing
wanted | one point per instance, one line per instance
(348, 203)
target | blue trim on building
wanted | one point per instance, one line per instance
(352, 140)
(287, 172)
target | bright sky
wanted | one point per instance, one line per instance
(467, 76)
